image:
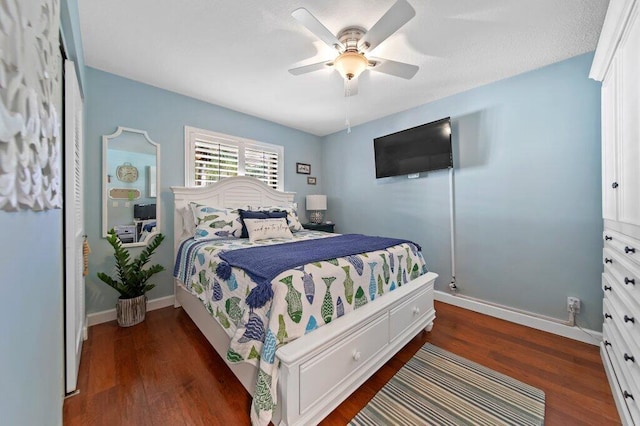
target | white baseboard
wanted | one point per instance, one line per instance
(520, 317)
(587, 336)
(110, 314)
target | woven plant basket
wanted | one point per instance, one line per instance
(131, 311)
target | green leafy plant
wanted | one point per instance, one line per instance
(132, 278)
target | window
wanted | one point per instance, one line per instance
(211, 156)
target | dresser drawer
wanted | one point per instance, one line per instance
(320, 375)
(627, 372)
(622, 341)
(625, 277)
(623, 315)
(627, 246)
(607, 311)
(609, 287)
(404, 315)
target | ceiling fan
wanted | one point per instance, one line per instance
(353, 43)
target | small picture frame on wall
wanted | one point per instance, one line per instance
(303, 169)
(311, 180)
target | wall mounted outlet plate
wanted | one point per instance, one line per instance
(575, 302)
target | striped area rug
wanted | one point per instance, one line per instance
(437, 387)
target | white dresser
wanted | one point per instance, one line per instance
(617, 65)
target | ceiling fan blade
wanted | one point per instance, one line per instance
(311, 23)
(351, 87)
(398, 69)
(399, 14)
(310, 68)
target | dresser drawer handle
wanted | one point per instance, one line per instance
(607, 288)
(607, 316)
(628, 250)
(627, 395)
(629, 358)
(629, 319)
(356, 355)
(629, 280)
(607, 260)
(416, 310)
(614, 185)
(608, 238)
(607, 343)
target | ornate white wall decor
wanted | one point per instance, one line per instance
(30, 101)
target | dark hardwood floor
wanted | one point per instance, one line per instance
(164, 372)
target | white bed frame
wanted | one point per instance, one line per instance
(321, 369)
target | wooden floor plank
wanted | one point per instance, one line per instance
(164, 372)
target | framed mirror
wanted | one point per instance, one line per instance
(130, 183)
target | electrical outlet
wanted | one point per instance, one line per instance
(575, 302)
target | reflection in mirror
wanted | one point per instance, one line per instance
(131, 174)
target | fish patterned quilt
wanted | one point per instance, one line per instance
(305, 298)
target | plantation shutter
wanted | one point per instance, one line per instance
(214, 160)
(211, 156)
(262, 164)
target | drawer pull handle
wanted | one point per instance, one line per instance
(607, 343)
(629, 280)
(629, 319)
(607, 316)
(356, 355)
(416, 310)
(607, 288)
(607, 260)
(614, 185)
(629, 358)
(627, 395)
(628, 250)
(608, 238)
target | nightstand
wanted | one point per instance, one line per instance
(325, 227)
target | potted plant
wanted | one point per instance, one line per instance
(132, 279)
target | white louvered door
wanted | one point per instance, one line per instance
(74, 227)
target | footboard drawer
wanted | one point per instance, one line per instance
(320, 375)
(404, 315)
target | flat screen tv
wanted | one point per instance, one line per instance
(144, 211)
(419, 149)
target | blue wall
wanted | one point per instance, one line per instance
(527, 190)
(113, 101)
(31, 321)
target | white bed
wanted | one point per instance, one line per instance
(321, 369)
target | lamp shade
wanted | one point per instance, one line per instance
(350, 64)
(316, 202)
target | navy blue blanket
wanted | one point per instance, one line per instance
(263, 264)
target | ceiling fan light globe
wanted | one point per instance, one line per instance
(351, 64)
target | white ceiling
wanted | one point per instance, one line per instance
(236, 53)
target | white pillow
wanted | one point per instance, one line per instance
(188, 224)
(215, 222)
(264, 229)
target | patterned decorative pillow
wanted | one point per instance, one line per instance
(292, 215)
(215, 222)
(265, 229)
(264, 214)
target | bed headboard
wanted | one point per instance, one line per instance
(238, 191)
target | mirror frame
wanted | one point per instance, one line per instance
(105, 192)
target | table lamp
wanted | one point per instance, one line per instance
(316, 204)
